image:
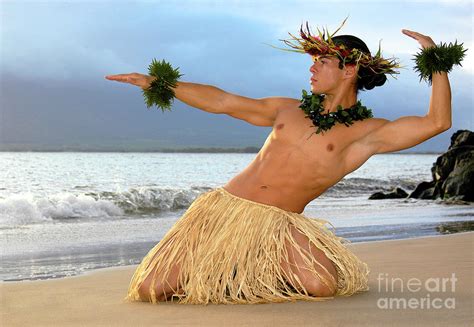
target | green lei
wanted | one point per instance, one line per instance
(311, 104)
(160, 92)
(438, 58)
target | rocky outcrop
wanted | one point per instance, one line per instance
(456, 227)
(452, 173)
(397, 193)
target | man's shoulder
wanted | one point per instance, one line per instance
(362, 133)
(373, 124)
(286, 103)
(280, 101)
(286, 106)
(376, 121)
(359, 149)
(361, 142)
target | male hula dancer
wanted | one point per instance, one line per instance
(313, 145)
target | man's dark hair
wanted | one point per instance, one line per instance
(367, 80)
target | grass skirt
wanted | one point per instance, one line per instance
(229, 250)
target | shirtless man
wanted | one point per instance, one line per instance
(292, 168)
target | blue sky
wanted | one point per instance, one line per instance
(55, 54)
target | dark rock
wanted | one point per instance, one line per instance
(455, 227)
(424, 190)
(445, 163)
(395, 194)
(377, 196)
(460, 182)
(461, 137)
(453, 171)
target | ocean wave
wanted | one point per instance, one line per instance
(23, 209)
(151, 199)
(26, 208)
(364, 186)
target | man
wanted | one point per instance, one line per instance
(295, 166)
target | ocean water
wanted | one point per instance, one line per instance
(65, 213)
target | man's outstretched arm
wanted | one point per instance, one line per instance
(409, 131)
(259, 112)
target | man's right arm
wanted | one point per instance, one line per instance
(205, 97)
(258, 112)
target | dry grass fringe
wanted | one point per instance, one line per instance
(233, 248)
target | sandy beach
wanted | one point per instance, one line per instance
(418, 282)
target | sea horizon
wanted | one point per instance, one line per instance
(190, 150)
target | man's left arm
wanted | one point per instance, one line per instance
(406, 132)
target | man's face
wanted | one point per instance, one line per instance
(325, 74)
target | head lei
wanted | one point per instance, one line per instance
(323, 45)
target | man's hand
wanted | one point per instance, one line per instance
(137, 79)
(424, 40)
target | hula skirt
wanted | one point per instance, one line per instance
(229, 251)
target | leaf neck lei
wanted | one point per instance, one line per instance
(311, 104)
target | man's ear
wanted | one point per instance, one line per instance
(350, 71)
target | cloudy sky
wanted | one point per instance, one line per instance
(55, 54)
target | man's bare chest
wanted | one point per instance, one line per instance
(293, 139)
(294, 130)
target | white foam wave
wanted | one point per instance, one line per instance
(28, 208)
(149, 199)
(20, 209)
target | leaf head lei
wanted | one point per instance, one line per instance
(323, 45)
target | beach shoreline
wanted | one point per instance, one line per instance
(73, 262)
(95, 298)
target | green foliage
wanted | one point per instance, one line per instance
(160, 92)
(311, 104)
(440, 58)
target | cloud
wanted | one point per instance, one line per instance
(61, 51)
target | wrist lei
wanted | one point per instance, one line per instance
(312, 106)
(160, 92)
(438, 58)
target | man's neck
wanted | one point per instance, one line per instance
(345, 99)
